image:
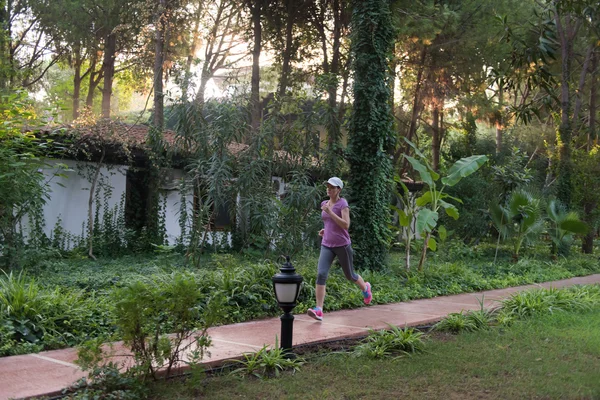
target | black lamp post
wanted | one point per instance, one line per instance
(287, 288)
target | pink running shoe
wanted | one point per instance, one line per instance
(368, 296)
(315, 313)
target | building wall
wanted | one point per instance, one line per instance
(69, 195)
(170, 189)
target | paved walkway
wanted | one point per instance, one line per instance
(48, 372)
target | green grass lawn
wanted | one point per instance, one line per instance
(548, 357)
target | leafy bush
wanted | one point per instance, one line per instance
(456, 323)
(148, 310)
(395, 341)
(106, 382)
(474, 223)
(77, 293)
(33, 317)
(546, 301)
(267, 363)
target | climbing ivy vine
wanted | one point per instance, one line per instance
(370, 134)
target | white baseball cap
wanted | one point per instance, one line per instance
(335, 181)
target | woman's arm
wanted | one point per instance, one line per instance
(344, 221)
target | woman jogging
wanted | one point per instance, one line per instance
(335, 214)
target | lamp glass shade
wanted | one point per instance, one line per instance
(287, 292)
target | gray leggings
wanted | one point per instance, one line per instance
(344, 255)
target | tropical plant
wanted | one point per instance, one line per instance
(512, 174)
(563, 225)
(267, 362)
(393, 341)
(456, 323)
(406, 214)
(520, 219)
(547, 301)
(433, 199)
(22, 302)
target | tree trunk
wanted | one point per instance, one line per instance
(416, 109)
(334, 123)
(592, 105)
(76, 83)
(202, 88)
(435, 139)
(159, 58)
(499, 120)
(424, 252)
(287, 52)
(108, 66)
(256, 12)
(579, 90)
(565, 128)
(587, 243)
(93, 81)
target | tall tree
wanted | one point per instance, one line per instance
(221, 36)
(331, 21)
(371, 135)
(256, 9)
(26, 51)
(74, 37)
(562, 28)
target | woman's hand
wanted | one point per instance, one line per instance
(327, 208)
(322, 232)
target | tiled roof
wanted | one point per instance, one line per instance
(136, 135)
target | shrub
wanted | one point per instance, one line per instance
(267, 363)
(34, 318)
(546, 301)
(147, 310)
(456, 323)
(395, 341)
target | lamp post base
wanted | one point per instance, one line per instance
(287, 331)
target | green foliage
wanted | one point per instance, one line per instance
(563, 225)
(370, 132)
(267, 363)
(470, 321)
(82, 307)
(392, 342)
(520, 220)
(237, 179)
(21, 302)
(456, 323)
(106, 382)
(23, 187)
(433, 198)
(474, 223)
(547, 301)
(34, 317)
(147, 310)
(405, 210)
(512, 174)
(586, 181)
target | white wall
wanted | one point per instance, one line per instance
(173, 205)
(69, 196)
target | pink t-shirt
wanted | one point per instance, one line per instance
(334, 235)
